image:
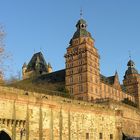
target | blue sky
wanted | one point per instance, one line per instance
(49, 25)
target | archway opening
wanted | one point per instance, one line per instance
(4, 136)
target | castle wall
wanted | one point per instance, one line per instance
(44, 117)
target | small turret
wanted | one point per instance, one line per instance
(116, 83)
(132, 81)
(49, 68)
(24, 68)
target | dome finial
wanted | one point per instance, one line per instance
(129, 54)
(81, 13)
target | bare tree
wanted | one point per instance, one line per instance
(3, 55)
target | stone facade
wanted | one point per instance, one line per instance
(32, 116)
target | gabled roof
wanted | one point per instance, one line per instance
(107, 80)
(111, 80)
(37, 62)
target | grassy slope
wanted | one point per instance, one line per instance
(39, 86)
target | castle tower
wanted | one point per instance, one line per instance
(50, 68)
(132, 81)
(24, 68)
(36, 67)
(82, 65)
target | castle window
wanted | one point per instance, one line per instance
(95, 72)
(80, 69)
(71, 79)
(80, 88)
(80, 98)
(80, 77)
(71, 90)
(71, 57)
(96, 90)
(75, 49)
(87, 136)
(96, 80)
(80, 62)
(91, 89)
(100, 136)
(71, 71)
(71, 64)
(67, 65)
(111, 136)
(80, 56)
(104, 88)
(108, 90)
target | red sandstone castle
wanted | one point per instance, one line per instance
(82, 76)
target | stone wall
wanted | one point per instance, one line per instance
(32, 116)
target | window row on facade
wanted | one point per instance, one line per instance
(82, 62)
(90, 136)
(82, 78)
(82, 69)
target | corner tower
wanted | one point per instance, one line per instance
(82, 65)
(132, 81)
(36, 67)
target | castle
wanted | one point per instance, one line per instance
(82, 74)
(76, 103)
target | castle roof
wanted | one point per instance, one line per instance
(54, 77)
(81, 30)
(130, 63)
(107, 80)
(37, 62)
(131, 68)
(111, 80)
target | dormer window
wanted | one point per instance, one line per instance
(83, 26)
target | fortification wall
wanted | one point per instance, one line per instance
(32, 116)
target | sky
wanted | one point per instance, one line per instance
(48, 25)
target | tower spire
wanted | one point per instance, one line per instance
(81, 13)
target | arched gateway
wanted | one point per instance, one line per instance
(4, 136)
